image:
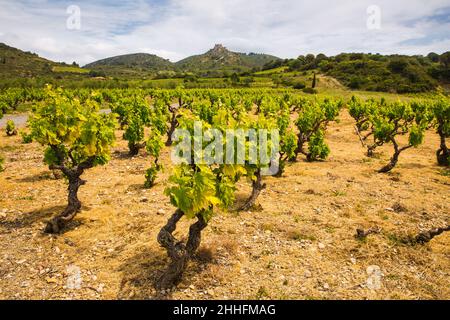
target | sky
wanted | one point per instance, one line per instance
(175, 29)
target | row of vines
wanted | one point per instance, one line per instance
(78, 129)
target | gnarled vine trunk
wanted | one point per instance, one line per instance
(443, 154)
(370, 150)
(179, 253)
(301, 139)
(427, 236)
(11, 133)
(370, 147)
(173, 126)
(309, 157)
(257, 187)
(135, 147)
(394, 159)
(56, 224)
(391, 164)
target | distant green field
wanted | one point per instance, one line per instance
(271, 71)
(69, 69)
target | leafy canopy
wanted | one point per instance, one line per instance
(74, 133)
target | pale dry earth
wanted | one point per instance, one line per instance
(299, 245)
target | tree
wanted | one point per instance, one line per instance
(355, 82)
(320, 57)
(444, 59)
(195, 190)
(309, 58)
(362, 111)
(313, 119)
(288, 138)
(3, 106)
(121, 108)
(398, 65)
(137, 117)
(164, 104)
(434, 57)
(313, 85)
(255, 163)
(11, 98)
(288, 145)
(77, 137)
(398, 119)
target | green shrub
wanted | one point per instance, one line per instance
(11, 128)
(310, 90)
(154, 146)
(151, 175)
(26, 137)
(299, 85)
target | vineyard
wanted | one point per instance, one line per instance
(93, 206)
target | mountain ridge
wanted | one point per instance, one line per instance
(219, 57)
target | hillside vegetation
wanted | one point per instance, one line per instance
(375, 72)
(17, 63)
(222, 68)
(219, 60)
(138, 64)
(22, 69)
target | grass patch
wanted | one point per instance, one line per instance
(69, 69)
(271, 71)
(262, 293)
(10, 148)
(393, 277)
(268, 227)
(338, 193)
(445, 172)
(298, 236)
(359, 209)
(28, 198)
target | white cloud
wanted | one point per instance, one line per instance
(177, 28)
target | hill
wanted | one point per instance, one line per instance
(375, 72)
(17, 63)
(20, 68)
(216, 62)
(220, 59)
(129, 65)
